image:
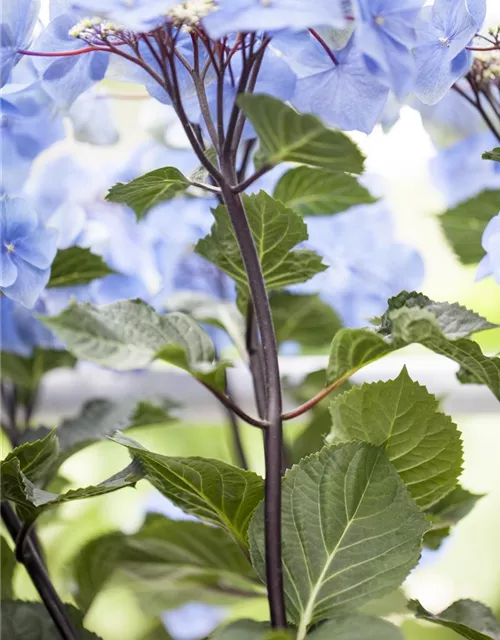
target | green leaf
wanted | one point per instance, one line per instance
(94, 566)
(286, 135)
(212, 490)
(354, 348)
(205, 308)
(27, 372)
(276, 230)
(464, 225)
(8, 565)
(31, 501)
(31, 621)
(155, 187)
(453, 320)
(351, 532)
(76, 266)
(162, 556)
(130, 334)
(447, 513)
(305, 319)
(472, 620)
(316, 192)
(250, 630)
(494, 154)
(400, 415)
(37, 460)
(101, 418)
(355, 627)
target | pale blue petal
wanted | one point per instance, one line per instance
(8, 270)
(29, 284)
(38, 248)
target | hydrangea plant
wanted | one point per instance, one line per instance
(245, 226)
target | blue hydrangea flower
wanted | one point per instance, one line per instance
(26, 253)
(193, 621)
(460, 172)
(385, 35)
(21, 331)
(367, 263)
(446, 29)
(65, 78)
(28, 126)
(450, 120)
(254, 15)
(92, 119)
(136, 15)
(490, 264)
(340, 90)
(17, 20)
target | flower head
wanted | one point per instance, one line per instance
(490, 264)
(26, 253)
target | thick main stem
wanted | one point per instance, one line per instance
(272, 501)
(39, 576)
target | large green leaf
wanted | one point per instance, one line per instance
(356, 627)
(130, 334)
(315, 192)
(402, 416)
(250, 630)
(155, 187)
(31, 621)
(212, 490)
(165, 555)
(464, 225)
(276, 230)
(76, 266)
(286, 135)
(305, 319)
(354, 348)
(27, 372)
(8, 565)
(38, 459)
(31, 500)
(351, 532)
(472, 620)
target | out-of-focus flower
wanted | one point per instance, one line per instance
(338, 87)
(27, 251)
(92, 119)
(367, 263)
(138, 15)
(67, 77)
(28, 126)
(385, 35)
(193, 621)
(17, 20)
(20, 331)
(460, 172)
(490, 264)
(446, 29)
(254, 15)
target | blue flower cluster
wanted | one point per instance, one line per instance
(343, 60)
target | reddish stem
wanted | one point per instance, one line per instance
(330, 53)
(495, 48)
(62, 54)
(314, 401)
